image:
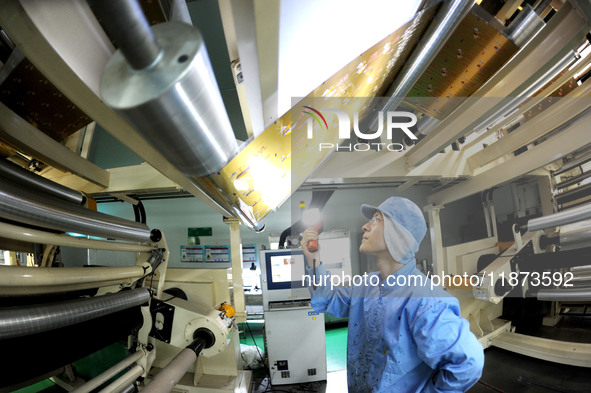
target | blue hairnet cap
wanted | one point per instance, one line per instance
(402, 219)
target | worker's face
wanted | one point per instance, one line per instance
(373, 241)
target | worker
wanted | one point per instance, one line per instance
(402, 338)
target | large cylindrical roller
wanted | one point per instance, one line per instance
(23, 204)
(21, 175)
(23, 321)
(174, 103)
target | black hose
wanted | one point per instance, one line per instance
(142, 211)
(136, 213)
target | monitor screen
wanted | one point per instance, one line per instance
(285, 269)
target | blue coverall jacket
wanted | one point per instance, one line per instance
(403, 338)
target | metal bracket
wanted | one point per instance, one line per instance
(162, 318)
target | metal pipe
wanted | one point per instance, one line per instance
(526, 25)
(23, 204)
(24, 321)
(124, 381)
(126, 24)
(444, 24)
(23, 176)
(36, 236)
(109, 373)
(564, 294)
(576, 214)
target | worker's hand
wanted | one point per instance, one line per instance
(310, 234)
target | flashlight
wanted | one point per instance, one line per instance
(312, 218)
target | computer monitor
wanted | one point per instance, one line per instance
(282, 270)
(285, 269)
(281, 276)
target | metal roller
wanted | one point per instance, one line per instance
(578, 238)
(567, 217)
(520, 97)
(128, 27)
(525, 26)
(106, 375)
(23, 176)
(23, 204)
(580, 280)
(14, 232)
(174, 102)
(426, 124)
(122, 383)
(582, 294)
(24, 321)
(27, 281)
(582, 270)
(447, 19)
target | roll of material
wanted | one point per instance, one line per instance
(175, 104)
(566, 217)
(24, 321)
(23, 176)
(170, 375)
(24, 204)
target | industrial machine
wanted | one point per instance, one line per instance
(288, 313)
(294, 332)
(499, 92)
(57, 309)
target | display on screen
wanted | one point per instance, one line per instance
(284, 266)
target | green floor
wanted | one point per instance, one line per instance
(336, 343)
(86, 368)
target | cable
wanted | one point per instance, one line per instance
(490, 387)
(254, 342)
